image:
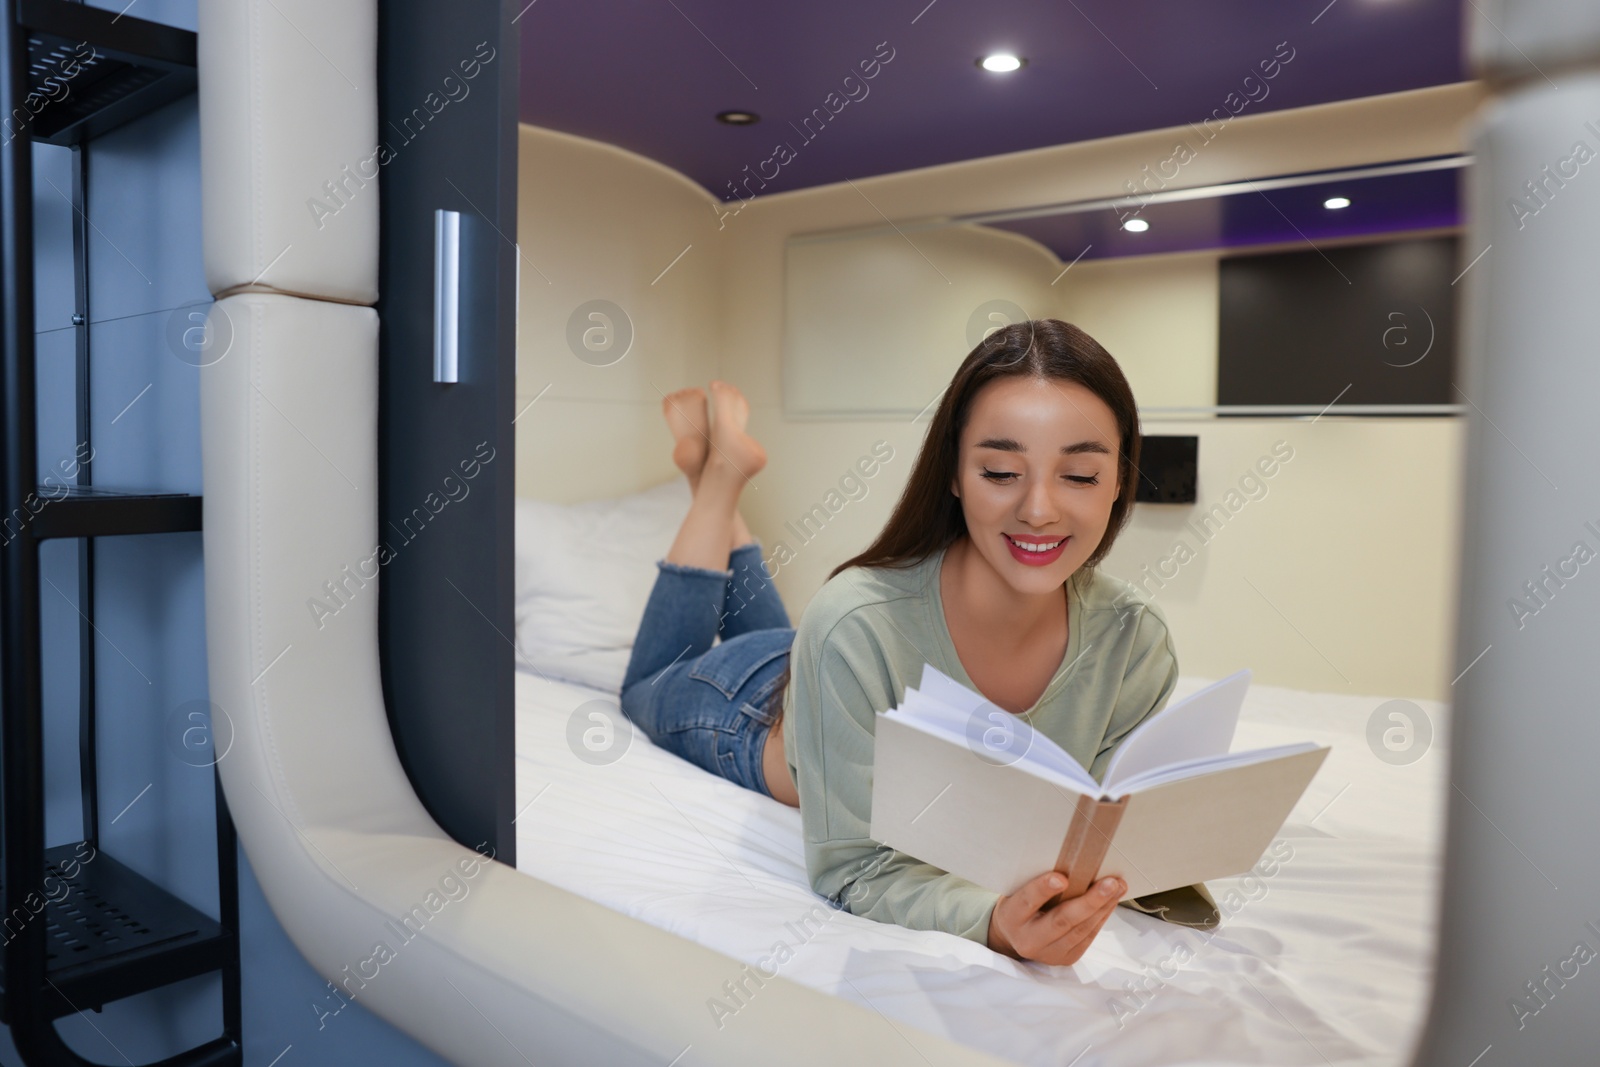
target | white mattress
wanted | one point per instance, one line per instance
(1327, 960)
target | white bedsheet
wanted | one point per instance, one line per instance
(1326, 960)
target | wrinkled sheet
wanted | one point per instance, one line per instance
(1324, 954)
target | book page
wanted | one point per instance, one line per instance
(941, 687)
(1200, 725)
(1206, 765)
(1213, 826)
(1008, 743)
(943, 793)
(992, 733)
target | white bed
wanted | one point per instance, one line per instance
(1326, 959)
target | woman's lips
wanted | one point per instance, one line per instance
(1035, 559)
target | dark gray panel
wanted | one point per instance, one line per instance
(447, 119)
(1301, 327)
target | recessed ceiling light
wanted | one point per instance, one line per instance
(1334, 203)
(1136, 225)
(1001, 62)
(738, 118)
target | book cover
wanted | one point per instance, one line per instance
(966, 786)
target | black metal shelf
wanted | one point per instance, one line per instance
(112, 933)
(94, 511)
(91, 70)
(80, 932)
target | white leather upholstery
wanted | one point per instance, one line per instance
(341, 845)
(496, 967)
(288, 147)
(1532, 40)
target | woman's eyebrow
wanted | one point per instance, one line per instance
(1011, 444)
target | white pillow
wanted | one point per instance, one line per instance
(583, 574)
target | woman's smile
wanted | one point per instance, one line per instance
(1039, 551)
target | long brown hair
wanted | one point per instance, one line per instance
(928, 516)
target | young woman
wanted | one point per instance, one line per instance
(987, 569)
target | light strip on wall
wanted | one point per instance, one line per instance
(446, 294)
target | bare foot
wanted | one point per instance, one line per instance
(731, 448)
(686, 416)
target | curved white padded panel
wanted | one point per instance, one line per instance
(1532, 39)
(480, 962)
(1522, 761)
(289, 147)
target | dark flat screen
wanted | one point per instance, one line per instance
(1366, 324)
(1167, 468)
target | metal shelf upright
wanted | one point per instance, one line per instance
(68, 73)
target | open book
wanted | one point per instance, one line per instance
(962, 784)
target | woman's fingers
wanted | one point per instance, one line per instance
(1047, 936)
(1075, 939)
(1060, 934)
(1036, 891)
(1012, 913)
(1063, 933)
(1074, 912)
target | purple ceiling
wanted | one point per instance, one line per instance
(651, 75)
(1393, 203)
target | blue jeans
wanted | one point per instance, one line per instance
(712, 704)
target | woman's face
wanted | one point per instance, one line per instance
(1037, 466)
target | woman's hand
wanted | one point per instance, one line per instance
(1059, 935)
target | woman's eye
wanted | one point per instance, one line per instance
(1000, 477)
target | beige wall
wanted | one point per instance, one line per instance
(1339, 578)
(1158, 316)
(911, 304)
(1334, 573)
(907, 304)
(597, 223)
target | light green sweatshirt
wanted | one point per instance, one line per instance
(862, 641)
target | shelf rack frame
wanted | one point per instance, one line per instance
(68, 73)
